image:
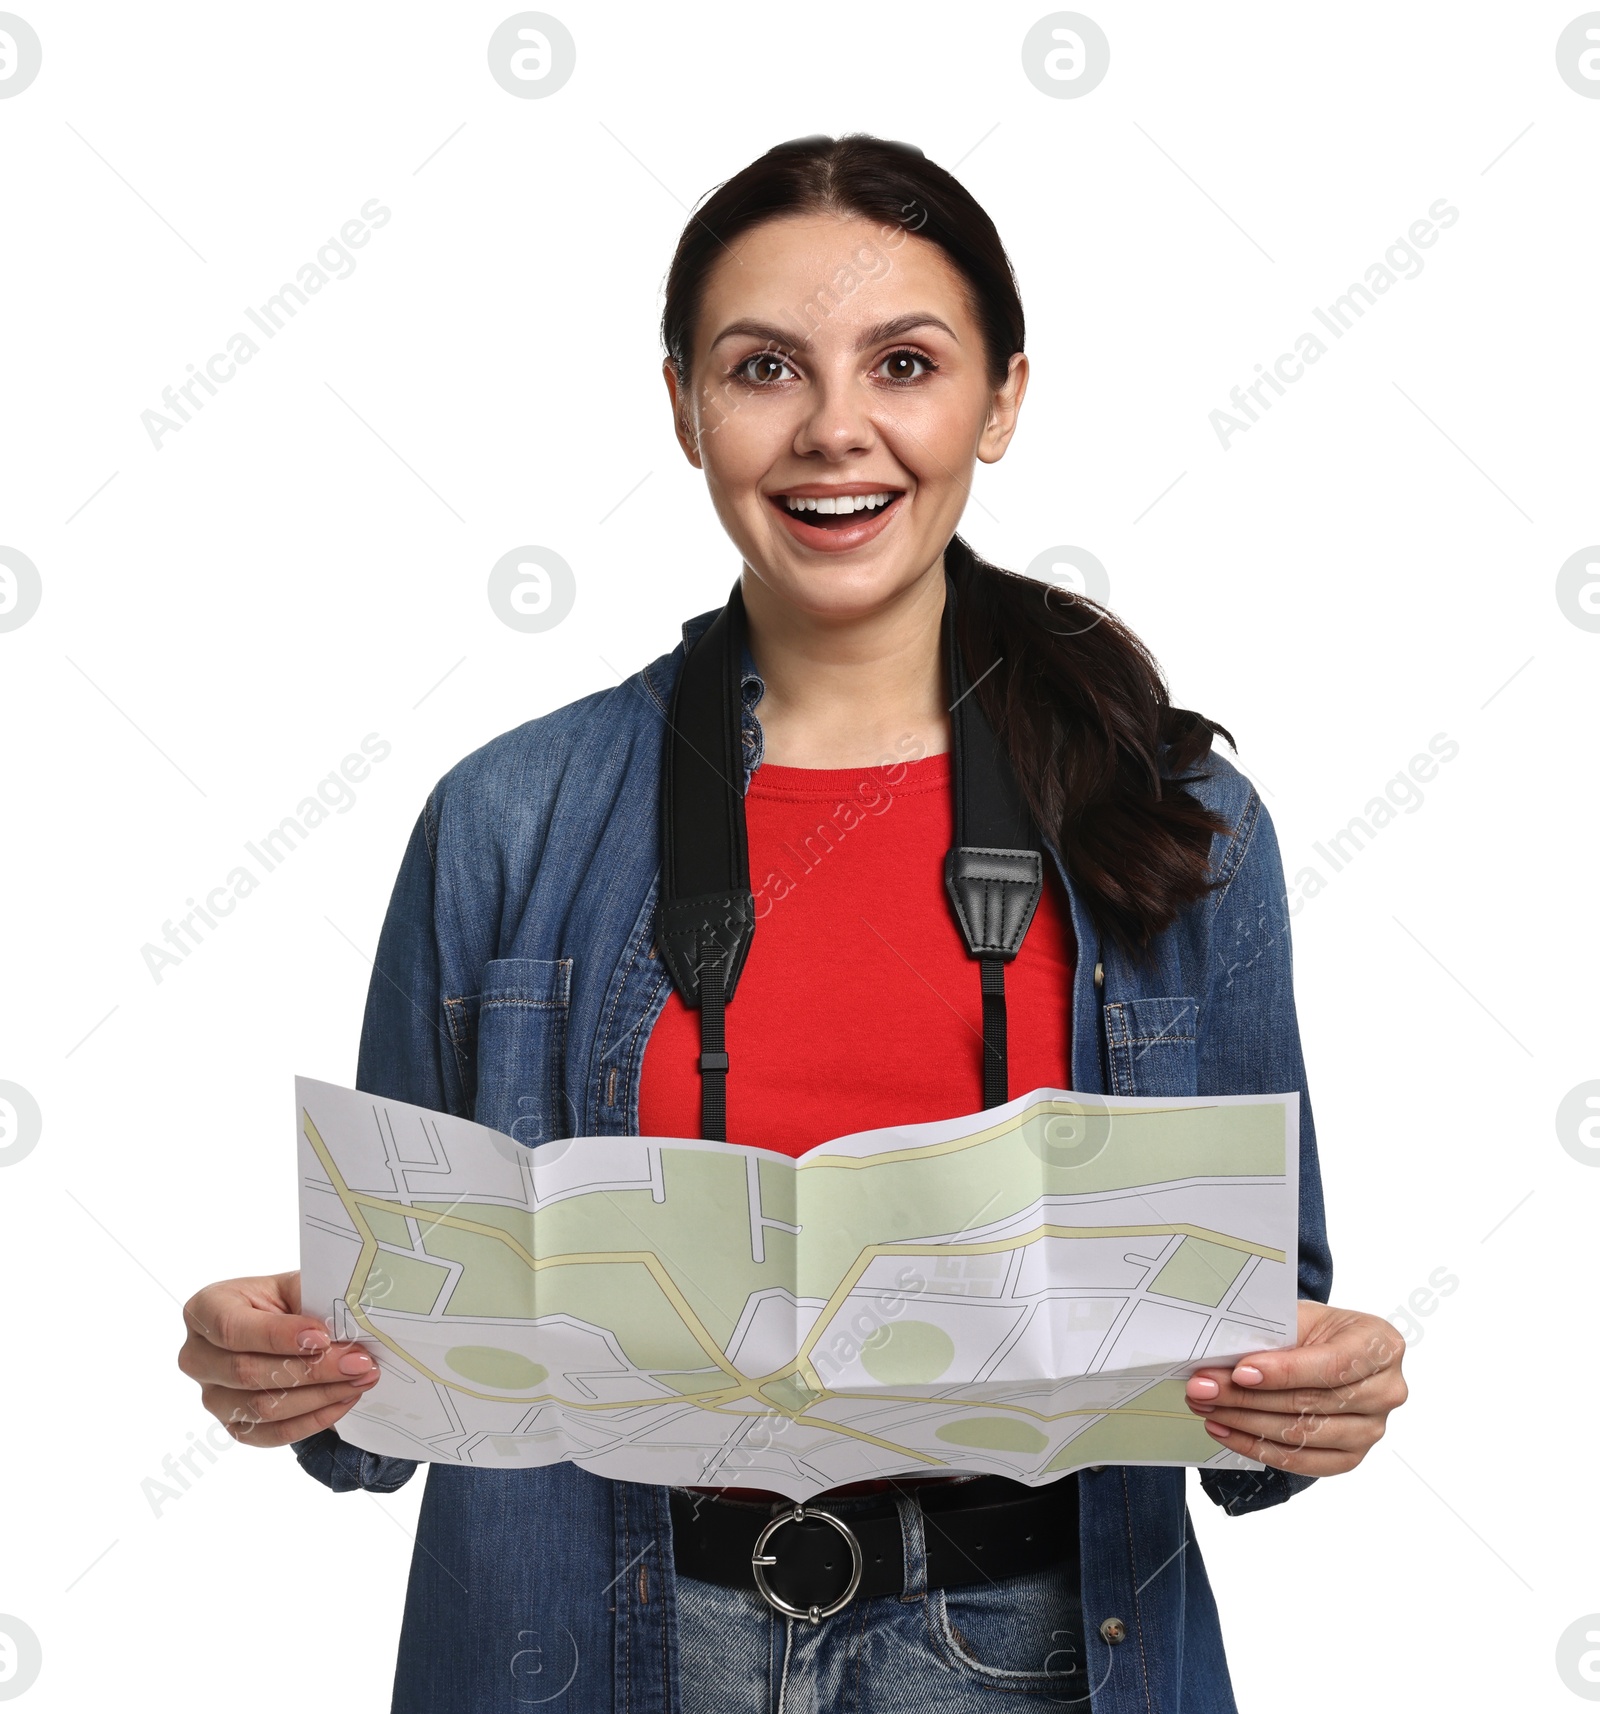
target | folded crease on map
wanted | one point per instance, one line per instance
(1022, 1291)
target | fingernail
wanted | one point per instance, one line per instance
(312, 1341)
(1218, 1430)
(357, 1363)
(1247, 1376)
(365, 1380)
(1203, 1387)
(1201, 1407)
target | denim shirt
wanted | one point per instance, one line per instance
(516, 983)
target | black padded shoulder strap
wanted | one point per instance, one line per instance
(994, 874)
(989, 807)
(706, 917)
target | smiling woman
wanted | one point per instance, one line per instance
(574, 948)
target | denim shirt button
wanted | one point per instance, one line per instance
(1099, 975)
(1095, 1469)
(1113, 1630)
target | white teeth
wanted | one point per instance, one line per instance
(841, 503)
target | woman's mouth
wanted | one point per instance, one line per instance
(837, 522)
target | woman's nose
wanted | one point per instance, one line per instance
(838, 418)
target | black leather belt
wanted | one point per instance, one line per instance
(809, 1561)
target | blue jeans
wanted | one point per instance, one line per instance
(937, 1651)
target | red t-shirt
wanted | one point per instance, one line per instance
(859, 1005)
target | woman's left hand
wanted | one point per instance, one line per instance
(1315, 1408)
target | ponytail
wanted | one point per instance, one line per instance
(1100, 753)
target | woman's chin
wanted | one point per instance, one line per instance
(844, 589)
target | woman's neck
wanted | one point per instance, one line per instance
(851, 692)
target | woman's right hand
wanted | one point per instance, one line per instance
(268, 1373)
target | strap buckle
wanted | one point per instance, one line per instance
(760, 1559)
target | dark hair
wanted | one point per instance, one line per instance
(1101, 754)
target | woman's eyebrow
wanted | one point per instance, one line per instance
(901, 325)
(763, 330)
(784, 340)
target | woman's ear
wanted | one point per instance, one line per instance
(1004, 405)
(688, 438)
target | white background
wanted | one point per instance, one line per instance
(225, 618)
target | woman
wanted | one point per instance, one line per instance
(844, 341)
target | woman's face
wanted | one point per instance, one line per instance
(838, 399)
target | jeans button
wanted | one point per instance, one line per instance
(1113, 1630)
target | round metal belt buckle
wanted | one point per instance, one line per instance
(760, 1559)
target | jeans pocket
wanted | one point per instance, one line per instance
(513, 1032)
(1021, 1633)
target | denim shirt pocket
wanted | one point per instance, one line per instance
(512, 1034)
(1150, 1044)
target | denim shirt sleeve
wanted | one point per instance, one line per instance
(1250, 1044)
(406, 1055)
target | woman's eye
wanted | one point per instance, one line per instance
(764, 366)
(905, 366)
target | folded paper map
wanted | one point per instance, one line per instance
(1022, 1291)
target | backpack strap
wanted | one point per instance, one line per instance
(994, 874)
(706, 917)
